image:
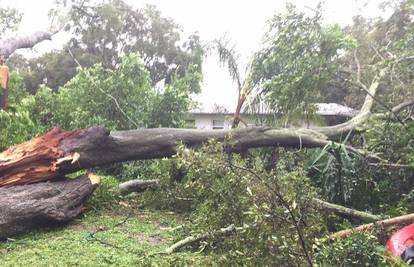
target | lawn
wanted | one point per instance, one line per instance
(119, 233)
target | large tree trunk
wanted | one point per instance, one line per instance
(43, 204)
(59, 152)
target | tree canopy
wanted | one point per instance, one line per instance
(105, 32)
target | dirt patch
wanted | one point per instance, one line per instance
(76, 225)
(155, 240)
(152, 240)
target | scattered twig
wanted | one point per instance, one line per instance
(377, 52)
(92, 235)
(123, 221)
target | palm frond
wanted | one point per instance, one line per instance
(229, 57)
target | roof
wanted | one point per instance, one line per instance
(335, 109)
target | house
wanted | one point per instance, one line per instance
(330, 114)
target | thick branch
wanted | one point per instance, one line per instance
(11, 44)
(244, 92)
(363, 115)
(395, 110)
(345, 211)
(405, 219)
(96, 146)
(403, 105)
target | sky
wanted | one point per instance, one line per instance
(242, 20)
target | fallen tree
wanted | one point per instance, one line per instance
(59, 152)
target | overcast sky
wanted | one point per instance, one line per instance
(244, 21)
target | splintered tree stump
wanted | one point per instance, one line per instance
(43, 204)
(33, 161)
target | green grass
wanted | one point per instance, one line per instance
(119, 234)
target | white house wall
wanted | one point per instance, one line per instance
(205, 121)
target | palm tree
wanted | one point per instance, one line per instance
(229, 57)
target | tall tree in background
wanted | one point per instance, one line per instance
(9, 20)
(291, 77)
(102, 33)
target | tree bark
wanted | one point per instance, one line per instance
(43, 204)
(33, 161)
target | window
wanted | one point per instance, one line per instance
(218, 124)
